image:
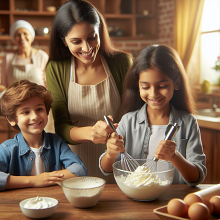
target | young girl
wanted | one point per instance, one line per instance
(156, 95)
(33, 158)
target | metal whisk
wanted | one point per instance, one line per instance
(152, 165)
(127, 162)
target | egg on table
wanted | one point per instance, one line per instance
(192, 198)
(177, 207)
(215, 200)
(199, 211)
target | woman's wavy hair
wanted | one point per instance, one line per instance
(18, 93)
(75, 12)
(166, 60)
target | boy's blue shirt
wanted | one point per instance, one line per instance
(17, 158)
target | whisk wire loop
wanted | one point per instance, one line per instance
(128, 163)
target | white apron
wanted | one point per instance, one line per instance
(87, 104)
(27, 71)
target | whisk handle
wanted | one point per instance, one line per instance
(169, 135)
(171, 132)
(109, 122)
(155, 159)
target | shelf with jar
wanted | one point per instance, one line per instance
(126, 19)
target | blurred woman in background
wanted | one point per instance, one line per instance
(25, 62)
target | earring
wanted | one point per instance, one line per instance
(176, 87)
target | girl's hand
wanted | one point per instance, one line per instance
(101, 131)
(165, 150)
(115, 145)
(47, 179)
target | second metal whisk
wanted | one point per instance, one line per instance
(152, 165)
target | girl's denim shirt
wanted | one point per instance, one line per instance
(136, 131)
(17, 158)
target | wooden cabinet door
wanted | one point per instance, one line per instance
(211, 145)
(208, 143)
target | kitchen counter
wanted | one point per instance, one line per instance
(208, 122)
(210, 134)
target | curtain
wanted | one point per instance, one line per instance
(187, 20)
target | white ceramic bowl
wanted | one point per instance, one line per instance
(83, 192)
(39, 213)
(144, 186)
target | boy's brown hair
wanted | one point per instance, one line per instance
(20, 92)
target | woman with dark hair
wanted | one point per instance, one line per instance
(85, 74)
(156, 96)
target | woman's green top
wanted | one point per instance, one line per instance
(58, 77)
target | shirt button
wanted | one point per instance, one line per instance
(31, 152)
(31, 159)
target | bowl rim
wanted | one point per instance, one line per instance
(160, 161)
(54, 204)
(81, 177)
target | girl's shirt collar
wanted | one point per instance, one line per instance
(174, 116)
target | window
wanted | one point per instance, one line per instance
(210, 41)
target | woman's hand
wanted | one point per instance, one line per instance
(47, 179)
(165, 150)
(101, 132)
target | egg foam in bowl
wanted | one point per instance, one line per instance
(143, 184)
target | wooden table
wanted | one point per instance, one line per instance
(113, 204)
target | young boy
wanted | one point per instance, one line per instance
(33, 158)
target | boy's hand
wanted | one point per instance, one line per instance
(165, 150)
(47, 179)
(115, 145)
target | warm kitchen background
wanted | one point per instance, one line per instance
(133, 24)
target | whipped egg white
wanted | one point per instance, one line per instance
(37, 203)
(142, 176)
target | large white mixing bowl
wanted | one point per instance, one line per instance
(144, 186)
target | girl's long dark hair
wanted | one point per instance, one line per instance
(167, 60)
(69, 14)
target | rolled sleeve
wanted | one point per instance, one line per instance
(202, 174)
(195, 154)
(3, 180)
(100, 167)
(71, 161)
(77, 169)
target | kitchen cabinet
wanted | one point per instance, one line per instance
(126, 19)
(211, 145)
(33, 11)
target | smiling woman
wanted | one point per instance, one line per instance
(85, 74)
(26, 62)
